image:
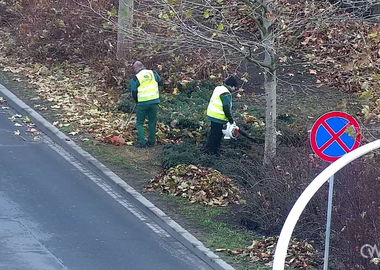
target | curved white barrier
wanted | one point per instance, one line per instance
(299, 206)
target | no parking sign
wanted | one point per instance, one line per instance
(334, 134)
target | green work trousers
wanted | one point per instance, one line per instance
(146, 111)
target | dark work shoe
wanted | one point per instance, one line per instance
(139, 145)
(149, 144)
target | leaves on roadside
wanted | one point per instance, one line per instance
(197, 184)
(25, 119)
(31, 130)
(300, 255)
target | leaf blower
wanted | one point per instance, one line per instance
(231, 131)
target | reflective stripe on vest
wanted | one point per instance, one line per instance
(215, 107)
(148, 89)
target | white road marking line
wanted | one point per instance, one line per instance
(107, 188)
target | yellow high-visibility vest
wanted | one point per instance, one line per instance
(148, 89)
(215, 107)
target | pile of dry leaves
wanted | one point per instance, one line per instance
(197, 184)
(301, 254)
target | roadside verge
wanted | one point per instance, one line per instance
(172, 227)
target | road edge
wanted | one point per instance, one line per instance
(172, 227)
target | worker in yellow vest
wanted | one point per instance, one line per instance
(144, 90)
(219, 113)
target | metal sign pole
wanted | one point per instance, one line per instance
(328, 225)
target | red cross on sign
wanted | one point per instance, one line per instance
(334, 134)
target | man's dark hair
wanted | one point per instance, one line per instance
(231, 81)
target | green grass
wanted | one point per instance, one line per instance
(217, 234)
(109, 156)
(134, 166)
(215, 230)
(67, 129)
(104, 154)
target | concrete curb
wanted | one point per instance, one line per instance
(135, 197)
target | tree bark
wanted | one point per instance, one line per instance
(270, 85)
(125, 26)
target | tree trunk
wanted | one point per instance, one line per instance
(270, 86)
(125, 26)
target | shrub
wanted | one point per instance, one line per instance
(197, 89)
(126, 105)
(7, 16)
(187, 109)
(184, 153)
(355, 216)
(189, 122)
(293, 133)
(272, 190)
(63, 30)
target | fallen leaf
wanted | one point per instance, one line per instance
(31, 130)
(250, 119)
(25, 119)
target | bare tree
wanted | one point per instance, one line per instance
(125, 27)
(270, 84)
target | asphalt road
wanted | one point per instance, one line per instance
(55, 214)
